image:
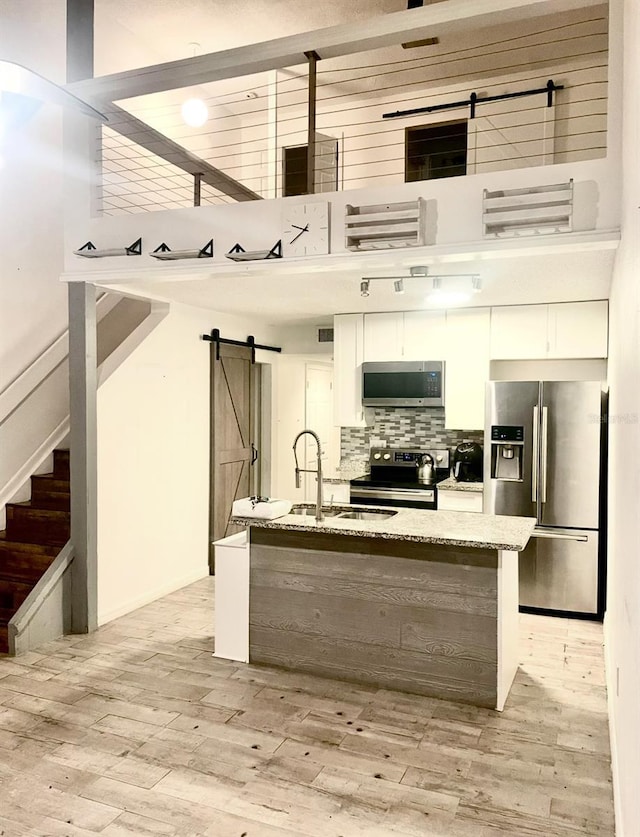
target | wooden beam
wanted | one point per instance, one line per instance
(448, 17)
(312, 58)
(142, 134)
(80, 15)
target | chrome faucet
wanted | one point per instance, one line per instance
(318, 471)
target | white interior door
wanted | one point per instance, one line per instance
(326, 175)
(319, 418)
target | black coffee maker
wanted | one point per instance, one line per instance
(467, 462)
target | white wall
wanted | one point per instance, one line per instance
(622, 625)
(153, 462)
(33, 306)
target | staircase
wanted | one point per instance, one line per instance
(36, 532)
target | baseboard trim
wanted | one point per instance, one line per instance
(152, 595)
(610, 678)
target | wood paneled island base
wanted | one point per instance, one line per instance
(428, 618)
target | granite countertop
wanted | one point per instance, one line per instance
(451, 485)
(345, 474)
(485, 531)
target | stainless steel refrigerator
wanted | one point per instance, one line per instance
(544, 457)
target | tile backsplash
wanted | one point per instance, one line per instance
(402, 427)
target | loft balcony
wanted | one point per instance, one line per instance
(390, 115)
(371, 118)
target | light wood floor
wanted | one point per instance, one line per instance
(137, 730)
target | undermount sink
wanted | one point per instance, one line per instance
(367, 515)
(311, 512)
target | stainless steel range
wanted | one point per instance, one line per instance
(402, 477)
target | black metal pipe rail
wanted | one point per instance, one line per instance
(250, 343)
(475, 100)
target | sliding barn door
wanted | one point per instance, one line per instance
(231, 428)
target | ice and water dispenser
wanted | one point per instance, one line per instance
(507, 452)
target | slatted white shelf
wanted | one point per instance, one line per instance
(529, 211)
(382, 226)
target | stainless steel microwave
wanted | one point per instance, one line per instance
(418, 383)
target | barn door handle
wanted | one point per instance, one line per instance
(254, 454)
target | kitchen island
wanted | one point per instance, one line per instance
(422, 601)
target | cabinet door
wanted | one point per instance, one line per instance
(519, 332)
(578, 329)
(424, 335)
(348, 335)
(466, 368)
(383, 336)
(469, 501)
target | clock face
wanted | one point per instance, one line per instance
(305, 229)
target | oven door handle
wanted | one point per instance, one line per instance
(390, 493)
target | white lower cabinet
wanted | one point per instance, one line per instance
(231, 618)
(468, 501)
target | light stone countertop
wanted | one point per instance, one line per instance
(342, 476)
(471, 529)
(451, 485)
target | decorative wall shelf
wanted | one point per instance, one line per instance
(166, 254)
(385, 226)
(90, 251)
(239, 254)
(529, 211)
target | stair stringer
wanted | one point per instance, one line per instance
(46, 612)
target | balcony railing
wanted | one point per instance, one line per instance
(254, 143)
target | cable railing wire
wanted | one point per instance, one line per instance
(486, 45)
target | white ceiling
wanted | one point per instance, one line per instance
(136, 33)
(279, 293)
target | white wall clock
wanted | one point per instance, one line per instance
(305, 229)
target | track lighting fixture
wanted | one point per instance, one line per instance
(447, 288)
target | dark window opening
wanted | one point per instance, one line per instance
(295, 171)
(436, 151)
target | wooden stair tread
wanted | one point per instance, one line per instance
(7, 545)
(30, 504)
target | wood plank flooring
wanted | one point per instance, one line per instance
(136, 730)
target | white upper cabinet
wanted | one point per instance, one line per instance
(383, 336)
(578, 329)
(519, 332)
(466, 368)
(348, 331)
(558, 330)
(424, 335)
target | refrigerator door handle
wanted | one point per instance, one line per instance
(534, 457)
(543, 458)
(559, 536)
